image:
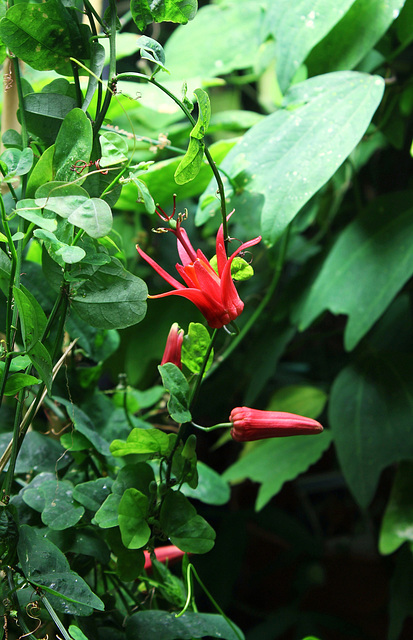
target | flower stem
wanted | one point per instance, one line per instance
(270, 292)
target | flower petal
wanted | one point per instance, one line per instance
(158, 269)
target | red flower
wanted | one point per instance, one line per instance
(213, 293)
(170, 552)
(253, 424)
(173, 346)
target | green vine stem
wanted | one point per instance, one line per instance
(25, 423)
(192, 569)
(12, 587)
(215, 170)
(112, 68)
(54, 616)
(14, 263)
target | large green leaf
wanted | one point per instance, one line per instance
(145, 12)
(73, 145)
(354, 36)
(290, 154)
(276, 461)
(41, 360)
(370, 413)
(32, 317)
(183, 526)
(43, 35)
(370, 262)
(45, 113)
(156, 625)
(297, 27)
(111, 298)
(190, 54)
(54, 500)
(44, 565)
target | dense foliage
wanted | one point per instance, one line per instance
(167, 117)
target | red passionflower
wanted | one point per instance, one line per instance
(253, 424)
(213, 293)
(173, 346)
(163, 554)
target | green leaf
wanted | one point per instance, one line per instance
(145, 12)
(194, 347)
(144, 194)
(76, 633)
(32, 317)
(94, 216)
(93, 493)
(370, 262)
(153, 625)
(290, 154)
(396, 526)
(211, 489)
(111, 298)
(42, 172)
(183, 526)
(97, 62)
(60, 252)
(28, 210)
(40, 453)
(204, 115)
(41, 360)
(142, 441)
(45, 113)
(54, 499)
(275, 461)
(107, 516)
(133, 509)
(45, 566)
(297, 27)
(150, 49)
(44, 36)
(354, 36)
(191, 163)
(175, 382)
(241, 270)
(370, 415)
(18, 381)
(18, 162)
(85, 426)
(114, 149)
(136, 476)
(301, 399)
(73, 144)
